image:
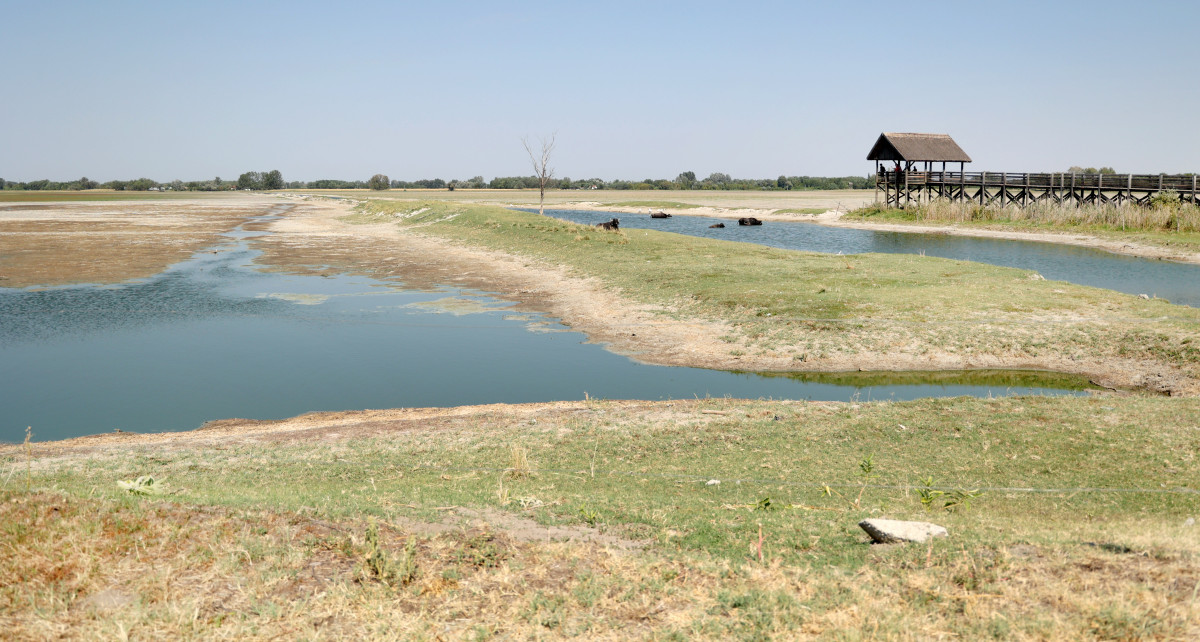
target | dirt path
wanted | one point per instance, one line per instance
(337, 426)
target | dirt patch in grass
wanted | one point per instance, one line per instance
(263, 575)
(521, 529)
(339, 426)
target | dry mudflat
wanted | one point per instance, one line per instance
(59, 243)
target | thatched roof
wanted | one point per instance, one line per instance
(917, 147)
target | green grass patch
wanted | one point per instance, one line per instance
(659, 204)
(650, 477)
(802, 210)
(875, 211)
(746, 281)
(1018, 379)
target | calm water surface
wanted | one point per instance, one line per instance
(1176, 282)
(214, 338)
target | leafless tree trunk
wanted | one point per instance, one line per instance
(541, 167)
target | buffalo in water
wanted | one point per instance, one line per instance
(749, 221)
(609, 225)
(660, 215)
(717, 225)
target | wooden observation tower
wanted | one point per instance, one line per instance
(904, 172)
(905, 181)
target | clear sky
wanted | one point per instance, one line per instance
(634, 90)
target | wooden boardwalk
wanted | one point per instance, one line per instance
(997, 188)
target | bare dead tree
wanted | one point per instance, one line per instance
(541, 167)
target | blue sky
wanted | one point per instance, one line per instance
(633, 89)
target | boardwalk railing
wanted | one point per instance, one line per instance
(1025, 188)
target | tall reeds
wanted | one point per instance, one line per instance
(1163, 214)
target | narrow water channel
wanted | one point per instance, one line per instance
(1176, 282)
(213, 337)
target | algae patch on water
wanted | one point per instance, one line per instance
(1000, 379)
(297, 298)
(458, 306)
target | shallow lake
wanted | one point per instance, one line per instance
(213, 337)
(1175, 282)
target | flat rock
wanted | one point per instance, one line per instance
(108, 599)
(887, 531)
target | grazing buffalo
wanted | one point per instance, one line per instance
(660, 215)
(749, 221)
(717, 225)
(609, 225)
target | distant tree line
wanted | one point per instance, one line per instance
(685, 181)
(274, 180)
(1075, 169)
(261, 180)
(137, 184)
(250, 180)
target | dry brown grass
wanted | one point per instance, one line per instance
(89, 569)
(1125, 216)
(518, 467)
(667, 558)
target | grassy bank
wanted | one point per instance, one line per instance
(674, 205)
(808, 311)
(1165, 225)
(273, 535)
(820, 200)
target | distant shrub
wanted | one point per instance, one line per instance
(1167, 198)
(379, 182)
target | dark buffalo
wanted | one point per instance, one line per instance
(609, 225)
(717, 225)
(749, 221)
(660, 215)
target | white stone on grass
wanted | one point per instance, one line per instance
(887, 531)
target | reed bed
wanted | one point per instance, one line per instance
(1164, 214)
